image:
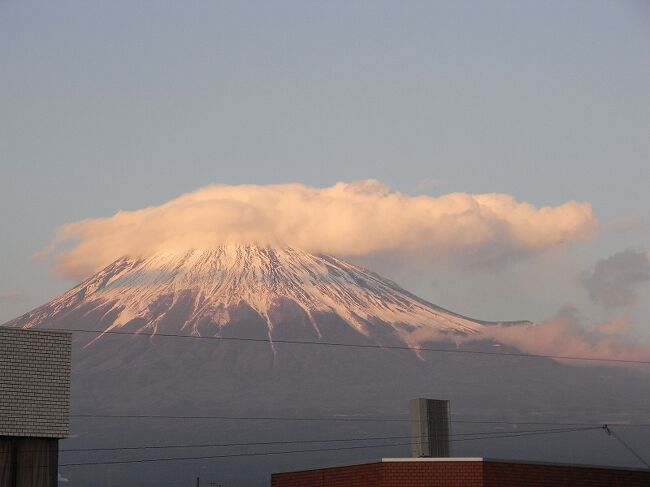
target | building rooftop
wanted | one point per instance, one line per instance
(462, 471)
(475, 459)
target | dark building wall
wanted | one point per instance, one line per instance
(34, 383)
(470, 473)
(28, 462)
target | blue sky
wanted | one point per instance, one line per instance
(108, 106)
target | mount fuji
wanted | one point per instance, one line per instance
(168, 301)
(206, 292)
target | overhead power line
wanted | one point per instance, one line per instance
(529, 433)
(477, 434)
(224, 445)
(331, 419)
(283, 452)
(627, 446)
(230, 455)
(356, 345)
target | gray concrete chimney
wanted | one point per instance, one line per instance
(430, 428)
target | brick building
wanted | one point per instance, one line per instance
(462, 472)
(34, 405)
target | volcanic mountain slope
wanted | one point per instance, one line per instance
(286, 294)
(201, 292)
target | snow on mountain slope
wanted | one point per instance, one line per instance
(201, 289)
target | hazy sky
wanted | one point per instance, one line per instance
(108, 106)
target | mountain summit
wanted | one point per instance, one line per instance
(208, 291)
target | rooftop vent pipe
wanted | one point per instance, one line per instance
(430, 428)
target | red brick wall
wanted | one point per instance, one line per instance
(432, 474)
(461, 474)
(393, 474)
(515, 475)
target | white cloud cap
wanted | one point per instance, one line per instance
(346, 219)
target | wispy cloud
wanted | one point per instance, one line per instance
(347, 219)
(565, 335)
(562, 335)
(613, 280)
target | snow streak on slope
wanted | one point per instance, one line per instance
(210, 283)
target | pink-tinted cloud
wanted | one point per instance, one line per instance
(564, 335)
(347, 219)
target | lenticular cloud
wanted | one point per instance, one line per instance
(346, 219)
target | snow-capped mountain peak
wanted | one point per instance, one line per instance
(201, 290)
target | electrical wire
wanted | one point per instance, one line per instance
(354, 345)
(231, 455)
(255, 454)
(224, 445)
(287, 442)
(330, 419)
(627, 446)
(283, 452)
(531, 433)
